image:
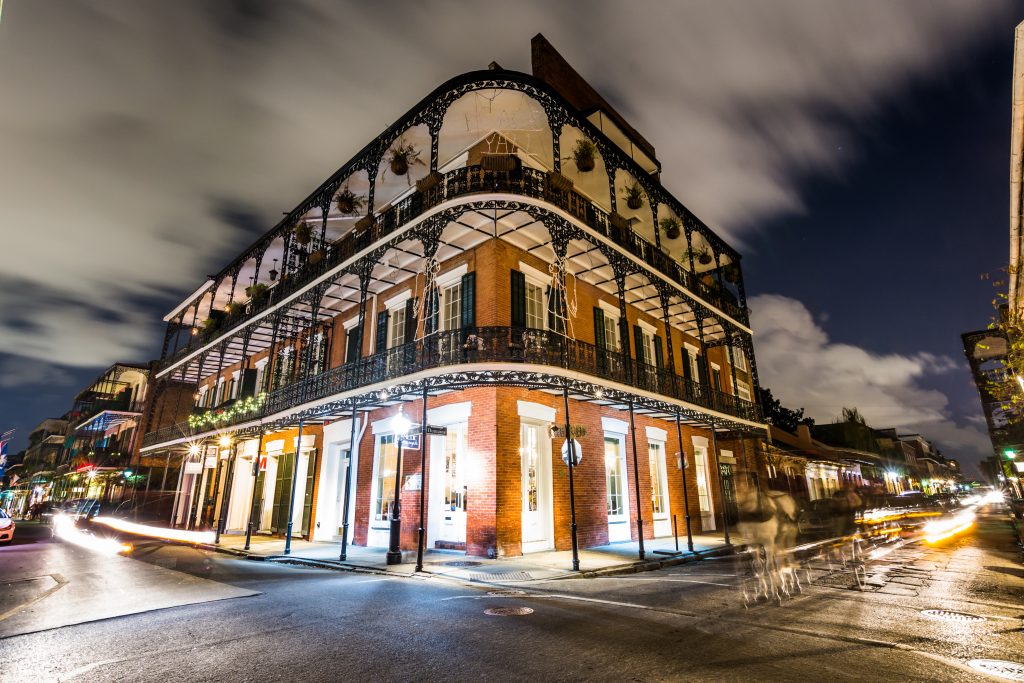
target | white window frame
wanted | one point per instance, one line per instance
(201, 401)
(662, 465)
(739, 358)
(743, 390)
(692, 357)
(394, 315)
(611, 313)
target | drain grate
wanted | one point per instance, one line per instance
(505, 576)
(508, 611)
(460, 563)
(1012, 671)
(949, 615)
(501, 594)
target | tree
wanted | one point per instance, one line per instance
(778, 415)
(852, 415)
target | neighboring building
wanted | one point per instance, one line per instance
(491, 275)
(103, 434)
(878, 452)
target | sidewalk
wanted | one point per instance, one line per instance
(614, 558)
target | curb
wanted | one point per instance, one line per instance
(615, 570)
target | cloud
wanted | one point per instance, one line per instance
(18, 372)
(803, 368)
(130, 126)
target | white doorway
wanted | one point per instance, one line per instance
(535, 470)
(616, 483)
(659, 489)
(449, 491)
(333, 470)
(703, 473)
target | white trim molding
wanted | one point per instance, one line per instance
(610, 424)
(453, 413)
(535, 411)
(657, 434)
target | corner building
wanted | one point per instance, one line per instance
(478, 265)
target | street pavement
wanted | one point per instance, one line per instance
(687, 622)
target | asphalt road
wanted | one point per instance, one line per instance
(191, 615)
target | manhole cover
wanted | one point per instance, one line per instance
(1012, 671)
(461, 563)
(506, 593)
(950, 615)
(508, 611)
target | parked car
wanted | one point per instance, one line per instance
(6, 528)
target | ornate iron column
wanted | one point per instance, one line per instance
(422, 538)
(620, 283)
(665, 296)
(636, 484)
(721, 489)
(255, 499)
(291, 498)
(352, 450)
(572, 491)
(686, 495)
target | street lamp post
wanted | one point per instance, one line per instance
(400, 426)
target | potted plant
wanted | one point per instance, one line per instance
(210, 324)
(731, 273)
(670, 226)
(558, 182)
(619, 221)
(429, 181)
(365, 223)
(349, 203)
(257, 291)
(704, 256)
(402, 156)
(303, 232)
(583, 154)
(634, 195)
(315, 257)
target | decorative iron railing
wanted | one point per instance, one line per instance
(457, 183)
(484, 346)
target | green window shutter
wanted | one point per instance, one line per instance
(352, 349)
(687, 371)
(599, 340)
(382, 331)
(468, 301)
(638, 344)
(659, 354)
(518, 299)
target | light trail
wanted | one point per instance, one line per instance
(156, 531)
(64, 528)
(941, 529)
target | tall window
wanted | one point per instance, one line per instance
(384, 491)
(397, 333)
(700, 456)
(694, 365)
(648, 347)
(739, 358)
(451, 303)
(659, 499)
(613, 468)
(742, 390)
(611, 333)
(534, 305)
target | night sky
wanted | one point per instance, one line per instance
(856, 152)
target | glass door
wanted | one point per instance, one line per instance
(659, 490)
(452, 501)
(618, 498)
(707, 510)
(535, 463)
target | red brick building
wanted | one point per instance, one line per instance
(502, 251)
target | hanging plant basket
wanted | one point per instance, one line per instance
(403, 156)
(303, 232)
(670, 226)
(429, 181)
(500, 163)
(704, 257)
(558, 182)
(349, 203)
(634, 196)
(731, 273)
(316, 257)
(583, 154)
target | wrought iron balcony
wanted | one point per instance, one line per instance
(457, 183)
(484, 346)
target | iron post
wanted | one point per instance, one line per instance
(291, 498)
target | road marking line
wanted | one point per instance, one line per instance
(644, 578)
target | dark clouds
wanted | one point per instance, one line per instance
(143, 140)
